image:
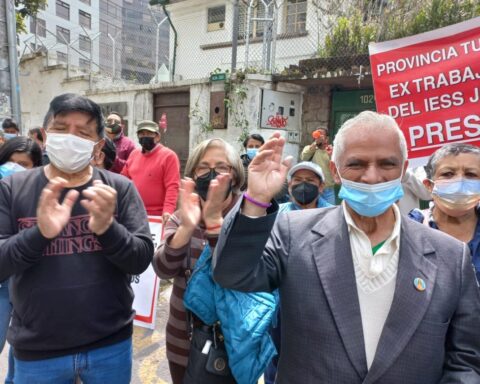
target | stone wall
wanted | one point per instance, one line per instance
(316, 111)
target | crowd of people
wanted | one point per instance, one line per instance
(274, 272)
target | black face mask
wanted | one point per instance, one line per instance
(147, 143)
(305, 193)
(202, 183)
(114, 128)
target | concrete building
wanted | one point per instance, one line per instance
(205, 31)
(65, 28)
(139, 34)
(118, 37)
(293, 103)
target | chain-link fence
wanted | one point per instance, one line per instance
(127, 41)
(282, 36)
(119, 43)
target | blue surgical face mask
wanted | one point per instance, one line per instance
(457, 193)
(9, 168)
(371, 199)
(252, 152)
(9, 136)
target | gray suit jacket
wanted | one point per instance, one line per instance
(429, 337)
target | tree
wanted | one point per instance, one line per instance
(26, 8)
(379, 20)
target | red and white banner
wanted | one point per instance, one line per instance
(145, 286)
(430, 84)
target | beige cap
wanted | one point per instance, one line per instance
(147, 125)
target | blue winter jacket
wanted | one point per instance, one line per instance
(245, 320)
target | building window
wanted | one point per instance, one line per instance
(63, 10)
(86, 2)
(61, 57)
(84, 64)
(216, 18)
(63, 35)
(256, 26)
(84, 43)
(109, 8)
(38, 27)
(296, 16)
(85, 19)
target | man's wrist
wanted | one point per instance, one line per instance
(252, 210)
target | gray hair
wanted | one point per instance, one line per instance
(367, 119)
(232, 156)
(453, 149)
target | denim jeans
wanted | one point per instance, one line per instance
(329, 195)
(112, 364)
(11, 367)
(5, 313)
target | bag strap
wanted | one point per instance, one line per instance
(188, 274)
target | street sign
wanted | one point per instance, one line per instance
(218, 77)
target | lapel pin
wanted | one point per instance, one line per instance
(419, 284)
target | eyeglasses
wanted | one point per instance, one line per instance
(203, 170)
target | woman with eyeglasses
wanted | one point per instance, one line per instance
(189, 231)
(453, 179)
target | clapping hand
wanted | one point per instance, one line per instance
(217, 191)
(190, 211)
(52, 216)
(100, 202)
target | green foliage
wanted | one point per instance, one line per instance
(349, 37)
(357, 27)
(206, 127)
(26, 8)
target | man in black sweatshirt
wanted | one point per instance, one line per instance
(70, 236)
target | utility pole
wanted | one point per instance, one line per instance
(9, 26)
(5, 91)
(236, 15)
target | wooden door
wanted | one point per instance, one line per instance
(177, 107)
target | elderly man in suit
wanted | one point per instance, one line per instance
(367, 296)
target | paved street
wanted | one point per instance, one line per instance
(150, 363)
(149, 356)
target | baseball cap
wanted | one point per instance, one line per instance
(147, 125)
(309, 166)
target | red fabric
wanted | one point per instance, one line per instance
(157, 177)
(124, 146)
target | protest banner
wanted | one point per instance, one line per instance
(430, 84)
(145, 286)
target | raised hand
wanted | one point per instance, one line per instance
(52, 216)
(190, 210)
(217, 191)
(100, 202)
(267, 172)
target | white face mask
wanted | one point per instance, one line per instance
(69, 153)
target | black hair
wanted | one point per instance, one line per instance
(71, 102)
(116, 113)
(254, 136)
(9, 123)
(46, 120)
(110, 153)
(21, 144)
(37, 132)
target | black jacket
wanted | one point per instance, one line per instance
(72, 293)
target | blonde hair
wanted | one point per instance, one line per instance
(232, 156)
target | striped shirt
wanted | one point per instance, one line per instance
(171, 263)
